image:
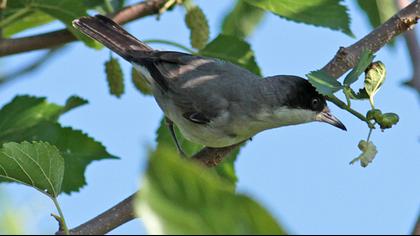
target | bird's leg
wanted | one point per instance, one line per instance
(170, 125)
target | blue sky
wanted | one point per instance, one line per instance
(300, 173)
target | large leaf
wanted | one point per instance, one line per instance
(242, 20)
(325, 13)
(181, 197)
(226, 169)
(34, 119)
(233, 49)
(37, 164)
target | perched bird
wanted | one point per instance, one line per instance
(213, 102)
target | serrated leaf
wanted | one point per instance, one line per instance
(232, 49)
(36, 164)
(242, 20)
(324, 83)
(114, 76)
(140, 83)
(226, 169)
(365, 59)
(77, 149)
(325, 13)
(374, 78)
(369, 152)
(181, 197)
(74, 102)
(26, 111)
(34, 119)
(199, 28)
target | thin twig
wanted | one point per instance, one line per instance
(60, 37)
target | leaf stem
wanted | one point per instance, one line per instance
(178, 45)
(370, 133)
(344, 106)
(62, 219)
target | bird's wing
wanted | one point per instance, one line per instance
(201, 87)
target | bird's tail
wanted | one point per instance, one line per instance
(110, 34)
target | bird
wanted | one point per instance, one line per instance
(213, 102)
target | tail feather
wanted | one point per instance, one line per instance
(111, 35)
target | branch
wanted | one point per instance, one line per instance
(123, 212)
(118, 215)
(344, 60)
(414, 50)
(60, 37)
(347, 57)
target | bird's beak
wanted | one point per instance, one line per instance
(327, 117)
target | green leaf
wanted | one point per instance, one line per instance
(232, 49)
(365, 59)
(74, 102)
(197, 23)
(64, 10)
(32, 20)
(36, 164)
(34, 119)
(361, 94)
(378, 11)
(242, 20)
(181, 197)
(114, 77)
(226, 169)
(325, 13)
(375, 77)
(388, 120)
(24, 112)
(77, 148)
(140, 83)
(324, 83)
(369, 152)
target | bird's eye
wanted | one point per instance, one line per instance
(315, 103)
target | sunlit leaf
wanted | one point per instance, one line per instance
(37, 164)
(325, 13)
(369, 152)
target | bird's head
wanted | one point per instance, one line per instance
(300, 102)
